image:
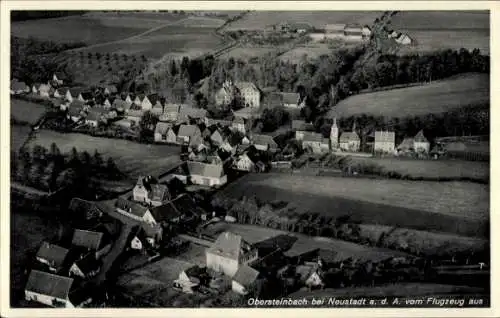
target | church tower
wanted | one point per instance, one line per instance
(334, 135)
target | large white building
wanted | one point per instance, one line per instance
(384, 141)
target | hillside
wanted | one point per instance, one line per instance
(437, 97)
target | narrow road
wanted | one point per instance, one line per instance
(127, 39)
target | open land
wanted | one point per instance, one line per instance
(26, 111)
(18, 136)
(259, 20)
(444, 169)
(437, 97)
(132, 158)
(452, 207)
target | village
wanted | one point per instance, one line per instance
(157, 222)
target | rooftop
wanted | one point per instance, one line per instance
(53, 253)
(49, 284)
(88, 239)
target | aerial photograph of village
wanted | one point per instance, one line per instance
(177, 158)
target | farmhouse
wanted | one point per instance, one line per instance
(206, 174)
(17, 87)
(228, 253)
(244, 279)
(59, 78)
(403, 39)
(148, 190)
(157, 109)
(244, 163)
(52, 255)
(349, 141)
(190, 135)
(384, 141)
(53, 290)
(263, 142)
(85, 267)
(170, 113)
(165, 133)
(291, 100)
(44, 90)
(90, 241)
(314, 142)
(188, 113)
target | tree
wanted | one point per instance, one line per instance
(98, 161)
(66, 178)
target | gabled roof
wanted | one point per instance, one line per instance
(88, 239)
(246, 85)
(53, 253)
(238, 120)
(186, 112)
(135, 112)
(111, 88)
(49, 284)
(171, 108)
(347, 136)
(245, 275)
(312, 137)
(74, 111)
(228, 245)
(76, 103)
(385, 136)
(95, 114)
(118, 103)
(419, 137)
(158, 192)
(301, 125)
(188, 130)
(263, 140)
(205, 169)
(162, 128)
(44, 88)
(407, 144)
(131, 207)
(305, 271)
(290, 98)
(153, 98)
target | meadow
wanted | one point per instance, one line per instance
(132, 158)
(258, 20)
(435, 97)
(18, 135)
(26, 111)
(430, 41)
(451, 207)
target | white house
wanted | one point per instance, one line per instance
(206, 174)
(421, 144)
(134, 211)
(149, 191)
(403, 39)
(349, 141)
(228, 253)
(243, 163)
(384, 141)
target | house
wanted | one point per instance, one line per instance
(300, 126)
(146, 236)
(406, 146)
(110, 89)
(52, 255)
(421, 144)
(44, 90)
(17, 87)
(219, 122)
(393, 34)
(164, 133)
(366, 32)
(134, 210)
(228, 253)
(51, 290)
(138, 99)
(108, 102)
(291, 100)
(157, 108)
(59, 78)
(148, 190)
(190, 135)
(127, 98)
(244, 163)
(240, 124)
(85, 267)
(188, 113)
(244, 279)
(170, 113)
(249, 93)
(134, 113)
(353, 32)
(384, 141)
(315, 142)
(191, 278)
(75, 114)
(87, 209)
(310, 275)
(91, 241)
(349, 141)
(148, 101)
(94, 116)
(206, 174)
(263, 142)
(120, 105)
(403, 39)
(225, 94)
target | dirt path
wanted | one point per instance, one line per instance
(127, 39)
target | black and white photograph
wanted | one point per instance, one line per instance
(176, 158)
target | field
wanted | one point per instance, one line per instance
(260, 19)
(431, 168)
(434, 30)
(400, 290)
(132, 158)
(452, 207)
(341, 250)
(246, 53)
(311, 51)
(18, 135)
(436, 97)
(26, 111)
(27, 233)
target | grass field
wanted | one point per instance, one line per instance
(340, 249)
(431, 168)
(18, 135)
(429, 41)
(131, 158)
(260, 19)
(246, 53)
(400, 290)
(436, 97)
(451, 207)
(80, 29)
(26, 235)
(26, 111)
(311, 51)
